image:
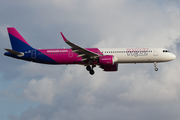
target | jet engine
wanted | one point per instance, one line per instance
(107, 60)
(110, 67)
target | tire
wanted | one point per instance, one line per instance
(88, 68)
(91, 72)
(156, 69)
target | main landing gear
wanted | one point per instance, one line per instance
(90, 69)
(156, 69)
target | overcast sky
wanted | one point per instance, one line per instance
(31, 91)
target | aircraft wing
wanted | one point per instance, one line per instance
(82, 52)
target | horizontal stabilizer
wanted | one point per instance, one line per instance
(14, 52)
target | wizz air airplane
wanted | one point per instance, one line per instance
(106, 58)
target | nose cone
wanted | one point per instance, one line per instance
(173, 57)
(169, 57)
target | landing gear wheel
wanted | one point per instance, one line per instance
(91, 72)
(156, 69)
(88, 68)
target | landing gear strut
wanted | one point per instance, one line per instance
(156, 69)
(90, 69)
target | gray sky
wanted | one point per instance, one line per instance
(30, 91)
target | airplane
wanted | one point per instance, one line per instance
(106, 58)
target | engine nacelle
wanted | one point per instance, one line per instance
(107, 60)
(110, 67)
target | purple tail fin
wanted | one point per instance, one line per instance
(18, 43)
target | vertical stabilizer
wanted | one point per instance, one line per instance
(18, 43)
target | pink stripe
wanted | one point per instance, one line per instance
(59, 58)
(64, 57)
(16, 34)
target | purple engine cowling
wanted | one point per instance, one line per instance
(106, 60)
(107, 63)
(111, 67)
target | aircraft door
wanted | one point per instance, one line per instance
(155, 52)
(70, 53)
(33, 54)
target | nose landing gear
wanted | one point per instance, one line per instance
(90, 69)
(156, 69)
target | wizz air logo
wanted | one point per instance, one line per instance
(137, 51)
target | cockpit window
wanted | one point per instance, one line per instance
(166, 51)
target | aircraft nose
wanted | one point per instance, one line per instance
(173, 56)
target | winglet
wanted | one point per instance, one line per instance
(63, 37)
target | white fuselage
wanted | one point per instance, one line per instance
(139, 55)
